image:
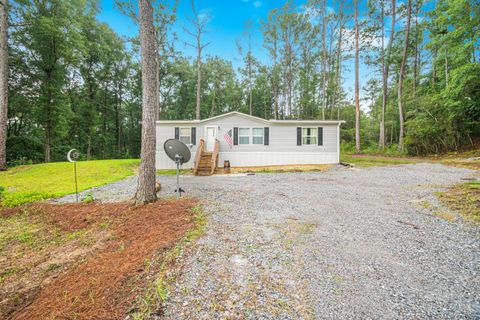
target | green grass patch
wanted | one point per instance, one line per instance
(21, 231)
(371, 161)
(472, 185)
(8, 272)
(29, 183)
(173, 171)
(464, 198)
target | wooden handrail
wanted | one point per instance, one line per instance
(214, 157)
(198, 155)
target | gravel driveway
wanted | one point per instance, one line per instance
(341, 244)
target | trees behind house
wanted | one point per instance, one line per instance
(199, 23)
(73, 82)
(3, 83)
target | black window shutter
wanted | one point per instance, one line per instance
(235, 136)
(299, 136)
(177, 133)
(320, 136)
(266, 136)
(194, 135)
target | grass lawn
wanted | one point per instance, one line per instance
(29, 183)
(373, 160)
(170, 172)
(464, 198)
(462, 159)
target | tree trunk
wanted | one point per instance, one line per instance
(446, 63)
(146, 179)
(3, 84)
(385, 71)
(250, 106)
(275, 90)
(416, 62)
(199, 77)
(48, 127)
(324, 63)
(339, 60)
(434, 72)
(89, 148)
(357, 101)
(400, 78)
(47, 143)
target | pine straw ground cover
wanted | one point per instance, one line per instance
(85, 261)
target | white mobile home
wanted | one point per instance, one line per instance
(246, 141)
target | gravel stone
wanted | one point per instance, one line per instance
(340, 244)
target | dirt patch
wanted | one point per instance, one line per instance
(279, 168)
(90, 257)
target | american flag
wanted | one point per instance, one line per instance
(228, 138)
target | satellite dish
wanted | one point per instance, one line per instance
(180, 153)
(177, 151)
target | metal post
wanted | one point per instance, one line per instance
(75, 170)
(178, 181)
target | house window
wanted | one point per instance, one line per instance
(186, 135)
(244, 136)
(309, 136)
(257, 135)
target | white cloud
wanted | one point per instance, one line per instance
(257, 4)
(205, 15)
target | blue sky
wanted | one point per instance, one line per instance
(227, 22)
(226, 26)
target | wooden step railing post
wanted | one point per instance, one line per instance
(214, 157)
(198, 155)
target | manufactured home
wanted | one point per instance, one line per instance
(245, 141)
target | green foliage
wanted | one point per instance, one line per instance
(449, 118)
(74, 82)
(88, 198)
(69, 79)
(31, 183)
(24, 149)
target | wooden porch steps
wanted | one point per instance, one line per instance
(205, 161)
(204, 167)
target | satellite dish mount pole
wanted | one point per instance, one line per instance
(178, 161)
(72, 156)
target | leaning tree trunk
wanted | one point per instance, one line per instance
(3, 84)
(400, 78)
(146, 179)
(357, 89)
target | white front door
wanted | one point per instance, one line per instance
(210, 136)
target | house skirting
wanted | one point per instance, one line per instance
(255, 159)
